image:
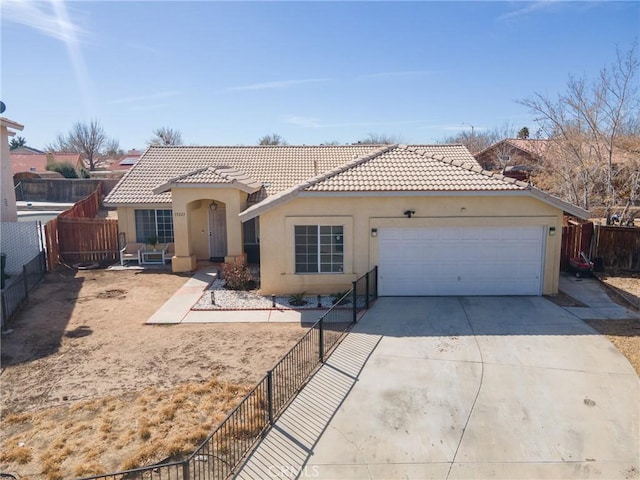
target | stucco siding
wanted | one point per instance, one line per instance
(362, 214)
(191, 221)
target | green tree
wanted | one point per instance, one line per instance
(17, 142)
(523, 132)
(64, 168)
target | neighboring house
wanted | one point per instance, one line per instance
(37, 163)
(513, 152)
(429, 217)
(126, 161)
(27, 150)
(8, 210)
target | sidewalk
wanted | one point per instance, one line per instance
(590, 292)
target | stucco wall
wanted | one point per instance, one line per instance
(8, 210)
(361, 214)
(191, 222)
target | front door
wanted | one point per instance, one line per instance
(217, 233)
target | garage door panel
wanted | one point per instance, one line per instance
(460, 261)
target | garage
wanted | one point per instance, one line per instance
(433, 261)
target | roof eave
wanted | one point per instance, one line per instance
(168, 186)
(566, 207)
(5, 122)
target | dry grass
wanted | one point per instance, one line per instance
(624, 289)
(117, 432)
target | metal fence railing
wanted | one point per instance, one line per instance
(17, 288)
(221, 453)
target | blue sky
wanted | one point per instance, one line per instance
(226, 73)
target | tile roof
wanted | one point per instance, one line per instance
(451, 151)
(209, 175)
(276, 167)
(283, 172)
(397, 169)
(25, 150)
(410, 169)
(413, 169)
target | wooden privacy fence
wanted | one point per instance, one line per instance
(618, 247)
(76, 236)
(59, 190)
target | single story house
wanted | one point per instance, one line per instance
(318, 217)
(37, 162)
(528, 152)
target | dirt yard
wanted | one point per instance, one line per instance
(88, 388)
(624, 288)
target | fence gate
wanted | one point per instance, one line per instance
(575, 239)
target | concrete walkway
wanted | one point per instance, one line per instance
(592, 293)
(453, 388)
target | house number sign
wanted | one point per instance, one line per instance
(179, 214)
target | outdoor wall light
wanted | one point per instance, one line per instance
(552, 231)
(408, 213)
(374, 232)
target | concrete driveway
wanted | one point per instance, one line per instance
(454, 388)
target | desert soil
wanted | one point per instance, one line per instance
(624, 288)
(80, 352)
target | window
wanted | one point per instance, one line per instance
(504, 158)
(154, 223)
(319, 249)
(251, 232)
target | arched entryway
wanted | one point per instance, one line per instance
(217, 231)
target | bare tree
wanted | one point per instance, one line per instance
(272, 139)
(474, 141)
(89, 140)
(381, 139)
(586, 121)
(165, 136)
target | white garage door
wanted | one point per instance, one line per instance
(460, 261)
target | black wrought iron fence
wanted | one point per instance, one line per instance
(223, 450)
(220, 454)
(364, 291)
(16, 288)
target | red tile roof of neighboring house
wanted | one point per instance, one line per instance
(126, 161)
(38, 162)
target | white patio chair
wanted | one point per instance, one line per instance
(168, 252)
(131, 251)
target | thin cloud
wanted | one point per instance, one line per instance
(53, 20)
(306, 122)
(145, 98)
(276, 84)
(528, 9)
(409, 73)
(50, 19)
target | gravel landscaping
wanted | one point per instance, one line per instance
(224, 299)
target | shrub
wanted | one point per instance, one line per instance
(65, 169)
(297, 300)
(237, 276)
(338, 298)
